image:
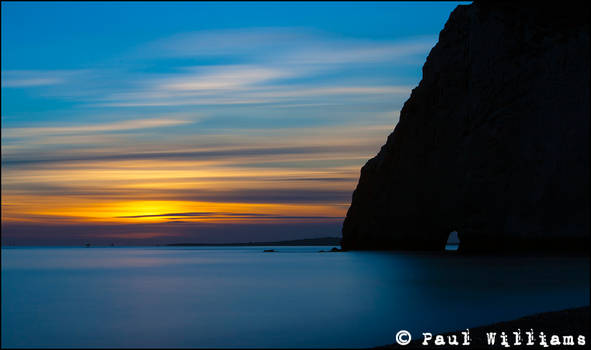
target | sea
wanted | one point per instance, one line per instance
(295, 297)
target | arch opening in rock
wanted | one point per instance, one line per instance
(453, 241)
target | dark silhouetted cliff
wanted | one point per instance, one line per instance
(493, 143)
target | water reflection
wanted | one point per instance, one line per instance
(240, 296)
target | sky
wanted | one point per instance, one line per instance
(153, 123)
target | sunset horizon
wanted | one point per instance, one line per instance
(197, 129)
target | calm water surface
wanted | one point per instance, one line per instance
(242, 297)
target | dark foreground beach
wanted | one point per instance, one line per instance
(565, 324)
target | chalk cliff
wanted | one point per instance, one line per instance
(492, 143)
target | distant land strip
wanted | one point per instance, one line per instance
(298, 242)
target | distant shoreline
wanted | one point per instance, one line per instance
(323, 241)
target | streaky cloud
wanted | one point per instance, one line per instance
(192, 155)
(93, 128)
(228, 214)
(35, 78)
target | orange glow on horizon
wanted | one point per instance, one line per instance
(295, 187)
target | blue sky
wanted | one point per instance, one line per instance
(274, 92)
